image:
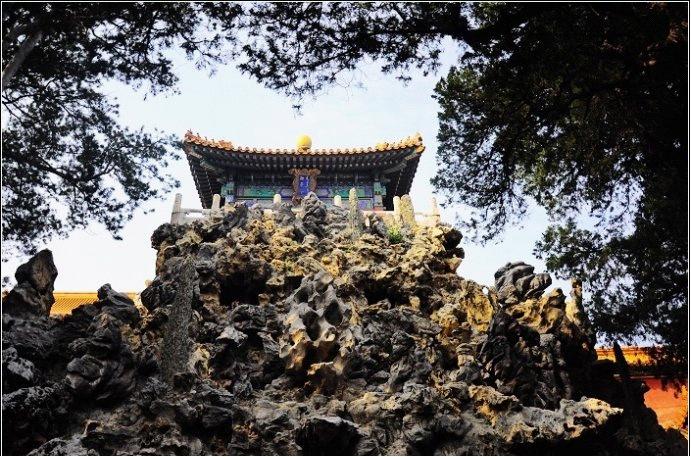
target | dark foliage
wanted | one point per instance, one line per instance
(578, 107)
(583, 110)
(66, 159)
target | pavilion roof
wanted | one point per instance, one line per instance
(209, 159)
(412, 142)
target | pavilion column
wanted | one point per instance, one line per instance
(228, 191)
(379, 192)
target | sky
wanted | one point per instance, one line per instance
(231, 106)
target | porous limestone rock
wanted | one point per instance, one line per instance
(33, 294)
(354, 213)
(314, 215)
(408, 213)
(290, 333)
(516, 281)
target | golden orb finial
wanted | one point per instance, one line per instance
(304, 143)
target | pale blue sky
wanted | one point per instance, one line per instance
(231, 106)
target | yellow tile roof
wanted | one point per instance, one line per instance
(65, 302)
(633, 355)
(413, 141)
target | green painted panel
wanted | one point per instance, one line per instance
(228, 189)
(257, 191)
(344, 192)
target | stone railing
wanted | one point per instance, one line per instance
(403, 212)
(182, 215)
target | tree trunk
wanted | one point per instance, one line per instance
(25, 48)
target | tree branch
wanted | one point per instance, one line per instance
(24, 50)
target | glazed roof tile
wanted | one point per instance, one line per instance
(66, 302)
(413, 141)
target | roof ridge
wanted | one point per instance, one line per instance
(411, 141)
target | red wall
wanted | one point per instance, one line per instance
(670, 405)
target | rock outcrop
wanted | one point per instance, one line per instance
(315, 333)
(33, 294)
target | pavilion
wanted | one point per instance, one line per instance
(257, 175)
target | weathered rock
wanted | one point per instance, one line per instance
(31, 415)
(354, 214)
(408, 213)
(33, 294)
(314, 215)
(516, 281)
(31, 337)
(317, 340)
(59, 446)
(175, 350)
(328, 436)
(232, 337)
(117, 305)
(206, 409)
(520, 424)
(311, 332)
(517, 360)
(16, 371)
(103, 365)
